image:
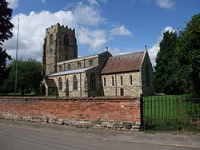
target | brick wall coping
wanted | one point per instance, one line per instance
(69, 99)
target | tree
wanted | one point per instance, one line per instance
(5, 33)
(164, 80)
(188, 56)
(29, 75)
(5, 25)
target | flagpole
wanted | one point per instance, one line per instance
(16, 58)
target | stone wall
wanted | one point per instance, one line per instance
(114, 113)
(68, 88)
(133, 89)
(84, 63)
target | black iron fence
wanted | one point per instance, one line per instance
(170, 113)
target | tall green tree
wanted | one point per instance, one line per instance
(29, 75)
(5, 33)
(164, 81)
(188, 56)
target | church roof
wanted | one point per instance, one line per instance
(69, 72)
(124, 63)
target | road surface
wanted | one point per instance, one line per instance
(38, 137)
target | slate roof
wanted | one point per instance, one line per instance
(69, 72)
(124, 63)
(51, 83)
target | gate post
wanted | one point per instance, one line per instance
(141, 112)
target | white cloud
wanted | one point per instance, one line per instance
(167, 4)
(153, 51)
(120, 30)
(86, 15)
(114, 51)
(13, 3)
(95, 38)
(95, 2)
(43, 1)
(33, 25)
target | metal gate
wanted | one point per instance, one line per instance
(170, 113)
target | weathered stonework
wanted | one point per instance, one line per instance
(60, 44)
(129, 90)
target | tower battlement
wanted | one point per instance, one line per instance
(60, 27)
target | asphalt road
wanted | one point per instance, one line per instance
(28, 137)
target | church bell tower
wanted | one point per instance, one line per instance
(59, 45)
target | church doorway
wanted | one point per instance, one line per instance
(121, 92)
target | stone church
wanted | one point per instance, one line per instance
(102, 74)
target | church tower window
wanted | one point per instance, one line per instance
(60, 84)
(66, 40)
(51, 39)
(75, 83)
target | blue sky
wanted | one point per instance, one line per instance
(122, 25)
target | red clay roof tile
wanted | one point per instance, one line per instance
(124, 63)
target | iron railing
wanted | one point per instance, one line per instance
(170, 113)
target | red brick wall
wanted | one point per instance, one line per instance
(106, 109)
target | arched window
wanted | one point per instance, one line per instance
(121, 92)
(92, 82)
(60, 84)
(113, 81)
(60, 68)
(75, 83)
(69, 67)
(147, 75)
(131, 80)
(104, 81)
(90, 62)
(121, 80)
(79, 64)
(66, 39)
(51, 39)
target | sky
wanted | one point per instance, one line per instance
(123, 26)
